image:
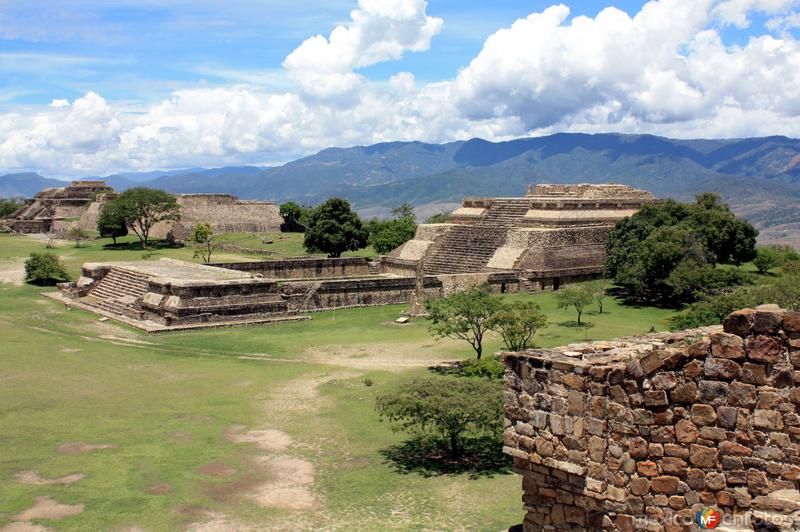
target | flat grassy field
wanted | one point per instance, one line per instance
(266, 427)
(282, 245)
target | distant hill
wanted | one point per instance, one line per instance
(759, 177)
(25, 185)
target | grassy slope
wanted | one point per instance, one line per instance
(68, 378)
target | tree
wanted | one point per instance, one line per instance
(645, 249)
(599, 290)
(517, 323)
(767, 257)
(294, 217)
(440, 218)
(445, 407)
(142, 208)
(391, 234)
(464, 315)
(77, 234)
(45, 269)
(575, 296)
(9, 206)
(111, 222)
(203, 237)
(334, 228)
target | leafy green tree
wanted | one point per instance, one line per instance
(203, 237)
(447, 408)
(464, 315)
(517, 322)
(45, 269)
(9, 206)
(440, 218)
(599, 290)
(111, 222)
(77, 234)
(334, 228)
(767, 257)
(575, 296)
(388, 235)
(644, 249)
(142, 208)
(294, 217)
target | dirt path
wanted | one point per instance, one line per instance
(47, 508)
(368, 357)
(13, 272)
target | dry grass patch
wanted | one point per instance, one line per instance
(34, 479)
(47, 508)
(79, 447)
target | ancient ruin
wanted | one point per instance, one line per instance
(642, 433)
(56, 210)
(554, 234)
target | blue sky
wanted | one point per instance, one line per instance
(131, 61)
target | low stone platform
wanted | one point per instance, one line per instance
(173, 295)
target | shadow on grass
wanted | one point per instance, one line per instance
(490, 367)
(428, 457)
(137, 246)
(574, 323)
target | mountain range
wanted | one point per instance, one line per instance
(758, 177)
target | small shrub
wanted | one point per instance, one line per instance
(368, 382)
(489, 367)
(45, 269)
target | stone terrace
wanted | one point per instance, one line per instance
(641, 433)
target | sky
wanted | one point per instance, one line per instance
(91, 87)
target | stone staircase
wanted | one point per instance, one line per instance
(505, 212)
(120, 290)
(464, 249)
(468, 248)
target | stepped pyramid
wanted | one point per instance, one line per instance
(553, 232)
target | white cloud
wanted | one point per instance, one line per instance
(665, 71)
(379, 30)
(736, 12)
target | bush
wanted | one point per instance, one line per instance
(447, 409)
(490, 367)
(333, 228)
(767, 257)
(517, 322)
(45, 269)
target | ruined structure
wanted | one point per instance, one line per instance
(225, 213)
(554, 234)
(55, 210)
(78, 205)
(642, 433)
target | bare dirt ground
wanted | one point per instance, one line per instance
(159, 489)
(47, 508)
(264, 439)
(216, 469)
(13, 272)
(390, 357)
(79, 447)
(33, 478)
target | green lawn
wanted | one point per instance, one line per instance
(283, 244)
(166, 402)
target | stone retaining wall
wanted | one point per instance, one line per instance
(303, 268)
(642, 433)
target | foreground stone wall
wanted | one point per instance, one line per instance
(641, 433)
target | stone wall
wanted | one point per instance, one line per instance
(641, 433)
(224, 213)
(311, 268)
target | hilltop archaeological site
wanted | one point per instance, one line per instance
(553, 235)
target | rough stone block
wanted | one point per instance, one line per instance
(722, 368)
(685, 393)
(665, 484)
(703, 414)
(754, 373)
(740, 394)
(764, 348)
(725, 345)
(702, 456)
(739, 322)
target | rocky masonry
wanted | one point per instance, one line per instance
(642, 433)
(554, 234)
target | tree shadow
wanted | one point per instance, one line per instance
(137, 246)
(573, 323)
(482, 457)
